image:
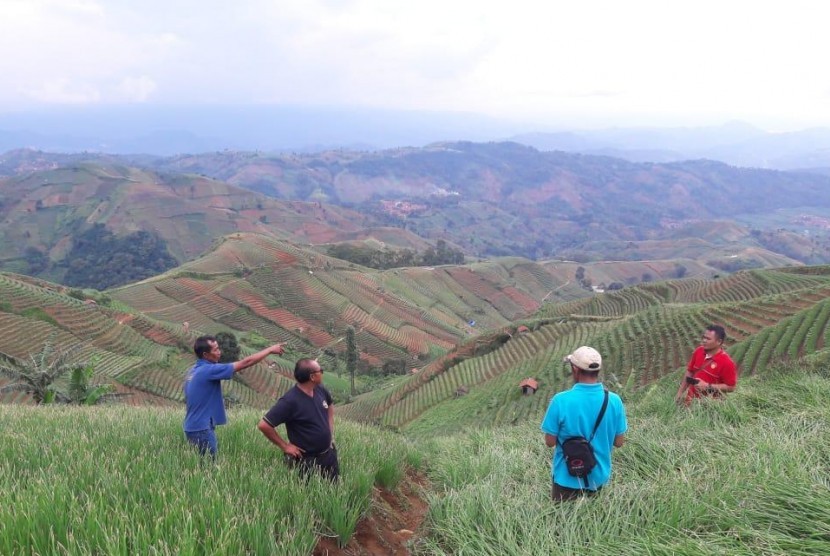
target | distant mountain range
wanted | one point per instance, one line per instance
(488, 199)
(167, 130)
(170, 130)
(736, 143)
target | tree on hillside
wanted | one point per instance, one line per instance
(441, 254)
(584, 281)
(98, 259)
(351, 356)
(229, 346)
(36, 373)
(396, 258)
(36, 259)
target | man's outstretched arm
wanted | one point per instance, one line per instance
(251, 360)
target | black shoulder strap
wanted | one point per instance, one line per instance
(600, 416)
(596, 426)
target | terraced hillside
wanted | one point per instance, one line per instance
(488, 199)
(643, 332)
(285, 293)
(46, 211)
(267, 290)
(141, 356)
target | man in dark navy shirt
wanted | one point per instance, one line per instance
(307, 410)
(203, 390)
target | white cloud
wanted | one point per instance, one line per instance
(80, 7)
(521, 58)
(63, 91)
(137, 89)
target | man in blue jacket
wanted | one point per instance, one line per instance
(573, 413)
(203, 391)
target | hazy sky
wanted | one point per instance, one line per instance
(593, 62)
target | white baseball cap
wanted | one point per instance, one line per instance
(585, 358)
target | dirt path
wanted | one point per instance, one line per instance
(395, 519)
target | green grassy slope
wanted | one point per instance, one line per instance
(744, 476)
(112, 481)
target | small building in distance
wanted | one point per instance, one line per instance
(529, 386)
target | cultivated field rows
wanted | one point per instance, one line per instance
(644, 334)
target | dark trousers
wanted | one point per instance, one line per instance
(562, 494)
(205, 441)
(325, 463)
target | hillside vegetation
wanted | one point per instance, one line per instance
(266, 290)
(644, 333)
(496, 199)
(745, 475)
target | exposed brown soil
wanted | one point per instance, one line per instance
(394, 520)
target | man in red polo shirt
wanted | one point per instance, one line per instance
(710, 372)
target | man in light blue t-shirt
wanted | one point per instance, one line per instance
(574, 413)
(203, 390)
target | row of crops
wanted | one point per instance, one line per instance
(643, 333)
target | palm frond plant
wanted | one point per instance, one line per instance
(36, 373)
(82, 392)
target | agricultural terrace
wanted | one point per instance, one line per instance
(306, 300)
(308, 310)
(741, 286)
(643, 334)
(31, 315)
(134, 353)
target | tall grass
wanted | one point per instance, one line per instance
(747, 475)
(115, 481)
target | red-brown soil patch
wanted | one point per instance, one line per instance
(394, 520)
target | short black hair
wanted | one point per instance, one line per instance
(719, 331)
(303, 369)
(202, 345)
